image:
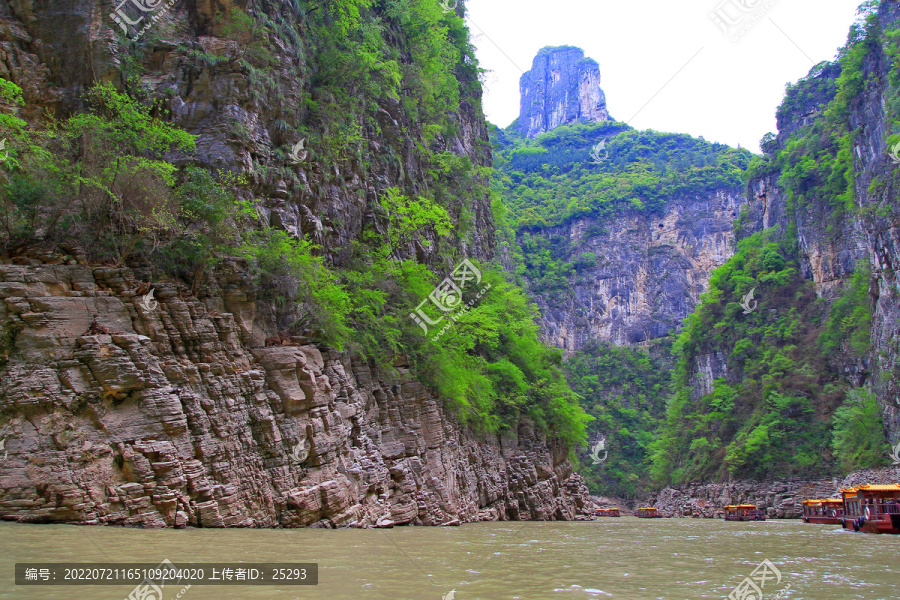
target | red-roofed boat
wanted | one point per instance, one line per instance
(872, 508)
(828, 511)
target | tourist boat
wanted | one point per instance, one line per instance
(744, 512)
(829, 511)
(648, 512)
(608, 512)
(872, 508)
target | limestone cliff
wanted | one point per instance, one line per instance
(562, 87)
(650, 272)
(116, 411)
(195, 412)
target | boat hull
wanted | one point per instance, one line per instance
(890, 526)
(745, 518)
(823, 520)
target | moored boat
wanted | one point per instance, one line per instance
(872, 508)
(827, 511)
(744, 512)
(607, 512)
(647, 512)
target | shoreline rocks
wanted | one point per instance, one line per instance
(781, 498)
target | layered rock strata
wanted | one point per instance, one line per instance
(119, 409)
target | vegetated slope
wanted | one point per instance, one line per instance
(800, 385)
(378, 95)
(292, 179)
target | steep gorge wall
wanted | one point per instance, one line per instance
(833, 244)
(183, 416)
(246, 119)
(112, 413)
(650, 273)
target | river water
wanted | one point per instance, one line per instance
(625, 559)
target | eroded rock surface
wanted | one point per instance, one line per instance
(562, 87)
(174, 416)
(650, 271)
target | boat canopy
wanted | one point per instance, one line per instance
(880, 488)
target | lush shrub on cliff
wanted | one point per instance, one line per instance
(563, 175)
(784, 407)
(858, 433)
(488, 363)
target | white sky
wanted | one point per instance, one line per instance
(728, 93)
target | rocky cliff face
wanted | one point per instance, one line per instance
(562, 87)
(247, 118)
(650, 272)
(183, 415)
(835, 243)
(117, 411)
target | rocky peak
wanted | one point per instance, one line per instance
(562, 87)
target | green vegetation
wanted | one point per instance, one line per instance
(858, 434)
(773, 413)
(553, 179)
(114, 183)
(625, 390)
(782, 407)
(816, 162)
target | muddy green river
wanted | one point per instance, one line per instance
(626, 559)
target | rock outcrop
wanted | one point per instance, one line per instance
(563, 86)
(650, 271)
(781, 499)
(116, 410)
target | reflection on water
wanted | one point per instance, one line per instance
(626, 559)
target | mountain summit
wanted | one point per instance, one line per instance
(562, 87)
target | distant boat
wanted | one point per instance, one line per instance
(744, 512)
(647, 512)
(872, 508)
(829, 511)
(607, 512)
